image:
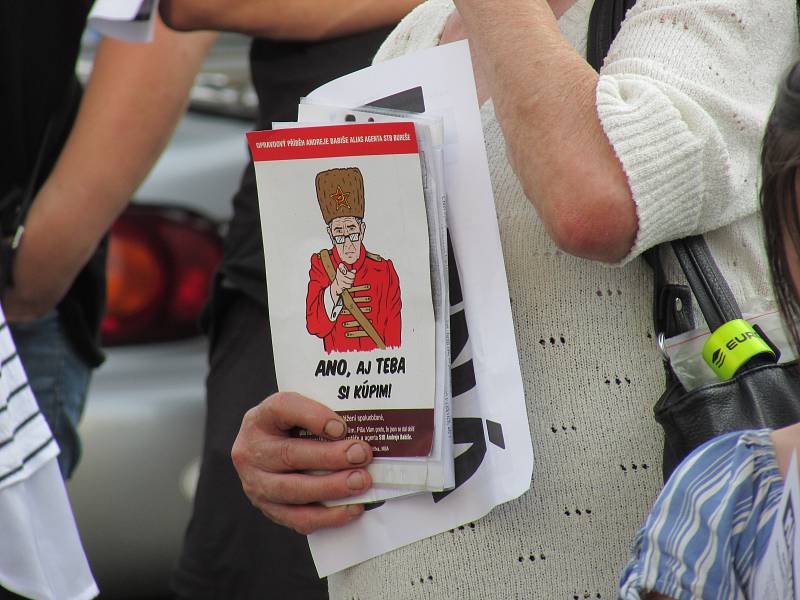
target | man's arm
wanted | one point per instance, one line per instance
(132, 102)
(279, 19)
(544, 96)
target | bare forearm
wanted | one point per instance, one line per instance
(134, 98)
(544, 96)
(278, 19)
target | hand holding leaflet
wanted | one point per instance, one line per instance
(268, 465)
(364, 341)
(435, 471)
(492, 440)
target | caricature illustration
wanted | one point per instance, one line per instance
(353, 300)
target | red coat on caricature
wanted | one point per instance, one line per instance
(376, 291)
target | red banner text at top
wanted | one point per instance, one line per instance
(363, 139)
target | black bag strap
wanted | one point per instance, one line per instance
(672, 303)
(713, 295)
(604, 23)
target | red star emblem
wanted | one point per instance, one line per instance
(341, 198)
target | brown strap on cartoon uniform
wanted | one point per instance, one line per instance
(349, 303)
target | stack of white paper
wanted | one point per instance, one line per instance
(371, 339)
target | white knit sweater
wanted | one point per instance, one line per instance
(683, 97)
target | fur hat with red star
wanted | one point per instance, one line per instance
(340, 193)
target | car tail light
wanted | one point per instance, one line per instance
(161, 262)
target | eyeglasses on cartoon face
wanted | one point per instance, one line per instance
(353, 237)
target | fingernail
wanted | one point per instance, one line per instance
(334, 428)
(355, 509)
(356, 454)
(355, 481)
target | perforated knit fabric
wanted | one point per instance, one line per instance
(685, 116)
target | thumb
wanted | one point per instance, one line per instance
(342, 269)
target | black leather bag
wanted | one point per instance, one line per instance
(761, 394)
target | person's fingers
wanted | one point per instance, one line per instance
(310, 518)
(263, 453)
(282, 454)
(342, 269)
(298, 488)
(284, 411)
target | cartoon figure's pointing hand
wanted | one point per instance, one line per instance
(344, 281)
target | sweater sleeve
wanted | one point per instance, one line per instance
(683, 97)
(420, 29)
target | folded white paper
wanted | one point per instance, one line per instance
(127, 20)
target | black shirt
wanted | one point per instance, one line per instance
(283, 72)
(39, 45)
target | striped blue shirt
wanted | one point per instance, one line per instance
(711, 523)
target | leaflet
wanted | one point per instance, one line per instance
(437, 470)
(347, 256)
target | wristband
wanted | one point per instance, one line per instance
(731, 346)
